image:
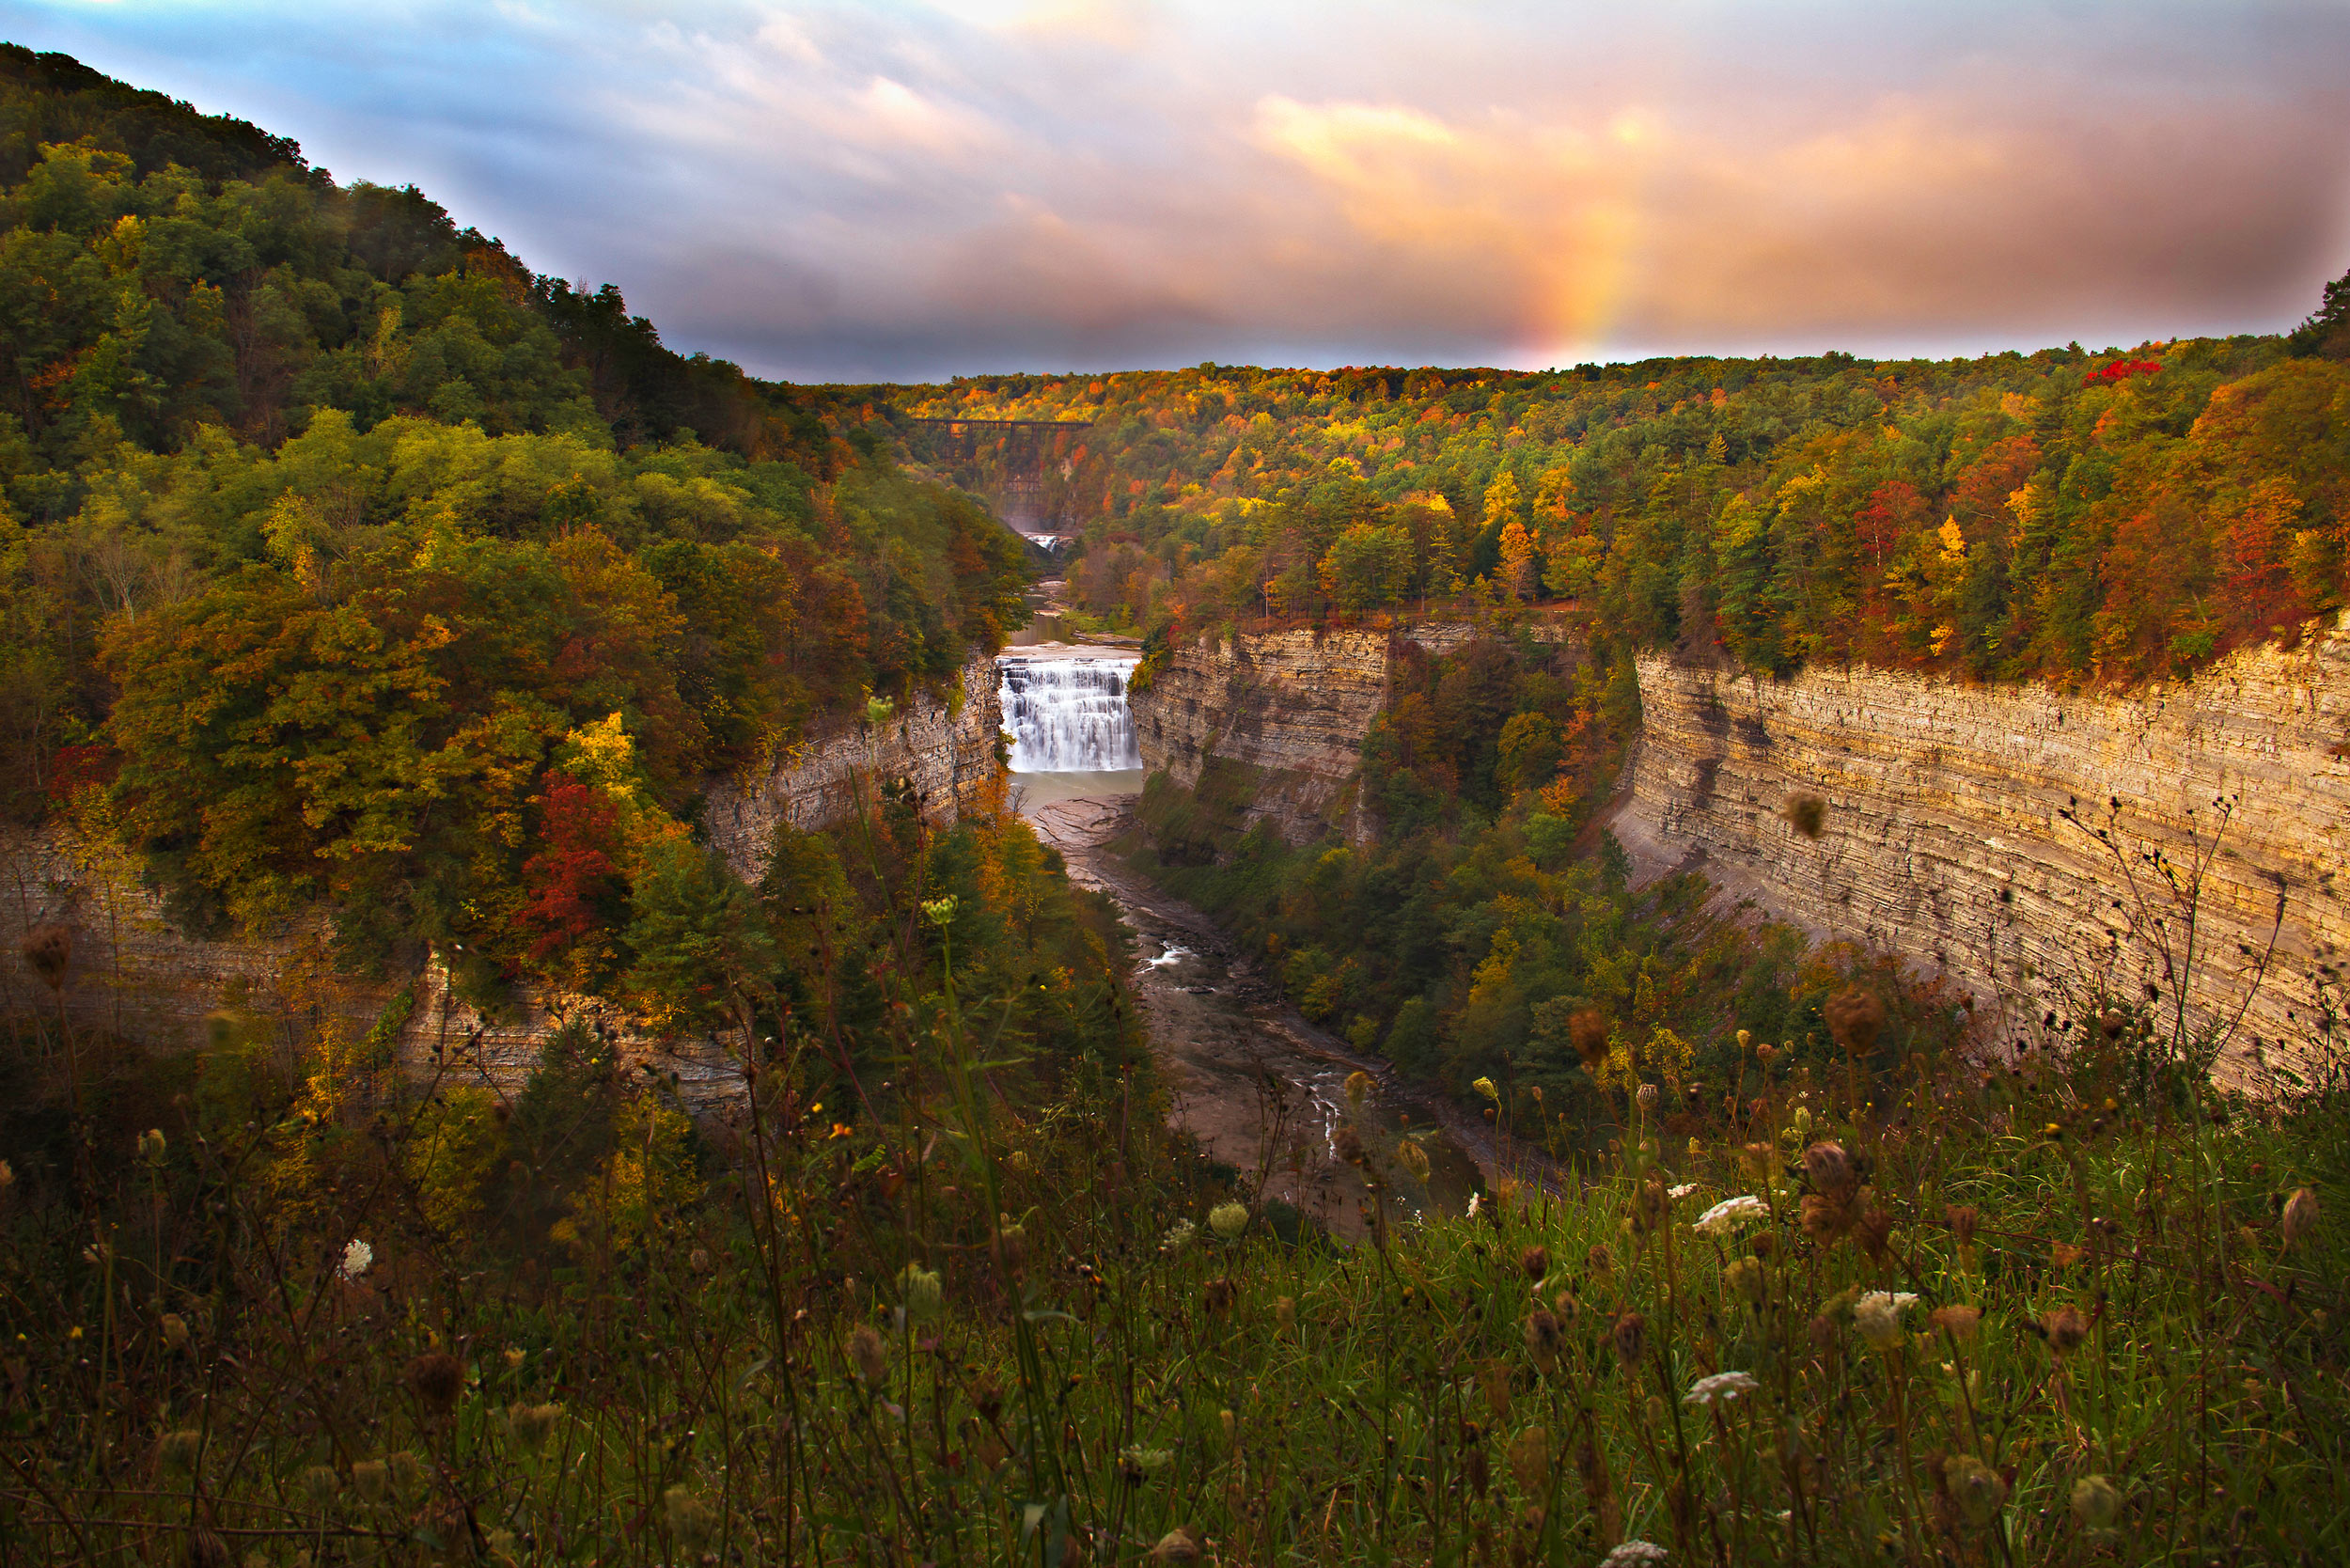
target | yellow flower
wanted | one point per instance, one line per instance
(1485, 1086)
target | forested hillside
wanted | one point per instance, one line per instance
(344, 559)
(2066, 515)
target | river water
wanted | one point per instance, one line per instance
(1262, 1088)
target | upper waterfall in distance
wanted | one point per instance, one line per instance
(1069, 715)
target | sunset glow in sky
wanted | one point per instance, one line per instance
(910, 190)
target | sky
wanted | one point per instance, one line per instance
(914, 191)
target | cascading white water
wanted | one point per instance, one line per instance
(1069, 716)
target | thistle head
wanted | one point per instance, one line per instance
(1534, 1262)
(1630, 1335)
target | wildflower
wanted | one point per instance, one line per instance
(371, 1478)
(939, 912)
(178, 1449)
(1646, 1096)
(1219, 1296)
(1718, 1220)
(868, 1354)
(1745, 1037)
(1682, 1190)
(1178, 1236)
(1147, 1461)
(1542, 1338)
(1358, 1087)
(692, 1521)
(1535, 1263)
(1878, 1316)
(1409, 1155)
(2066, 1329)
(919, 1289)
(1723, 1386)
(1631, 1337)
(152, 1146)
(1634, 1554)
(699, 1261)
(1227, 1221)
(531, 1424)
(1476, 1201)
(436, 1378)
(1530, 1460)
(2096, 1502)
(358, 1257)
(175, 1329)
(1180, 1544)
(2300, 1218)
(1976, 1487)
(1959, 1323)
(1486, 1088)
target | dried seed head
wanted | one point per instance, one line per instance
(532, 1424)
(1529, 1461)
(1646, 1096)
(1854, 1018)
(322, 1483)
(371, 1478)
(1349, 1144)
(1873, 1228)
(1588, 1030)
(919, 1289)
(1012, 1243)
(2067, 1328)
(1218, 1295)
(868, 1355)
(1746, 1279)
(1358, 1087)
(407, 1470)
(1806, 814)
(1411, 1157)
(699, 1261)
(2114, 1023)
(48, 949)
(1650, 1205)
(1975, 1486)
(1601, 1262)
(175, 1329)
(1542, 1338)
(1535, 1263)
(2096, 1502)
(693, 1523)
(1285, 1313)
(1963, 1219)
(1959, 1323)
(1180, 1544)
(1828, 1169)
(178, 1450)
(1630, 1335)
(2300, 1218)
(1825, 1217)
(436, 1378)
(206, 1549)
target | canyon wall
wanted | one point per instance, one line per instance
(134, 976)
(1942, 838)
(1294, 707)
(1291, 706)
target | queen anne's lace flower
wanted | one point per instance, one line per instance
(1681, 1191)
(358, 1257)
(1878, 1316)
(1718, 1220)
(1721, 1385)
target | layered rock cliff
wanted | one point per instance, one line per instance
(1293, 706)
(135, 976)
(1943, 838)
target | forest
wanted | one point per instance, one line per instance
(2073, 516)
(354, 577)
(346, 563)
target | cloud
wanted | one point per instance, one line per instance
(827, 191)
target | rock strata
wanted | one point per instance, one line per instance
(1943, 836)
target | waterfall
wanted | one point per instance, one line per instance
(1069, 716)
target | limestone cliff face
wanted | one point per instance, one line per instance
(1942, 838)
(1295, 706)
(135, 976)
(946, 750)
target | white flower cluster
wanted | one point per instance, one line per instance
(1178, 1236)
(358, 1257)
(1718, 1220)
(1683, 1190)
(1878, 1316)
(1724, 1386)
(1634, 1553)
